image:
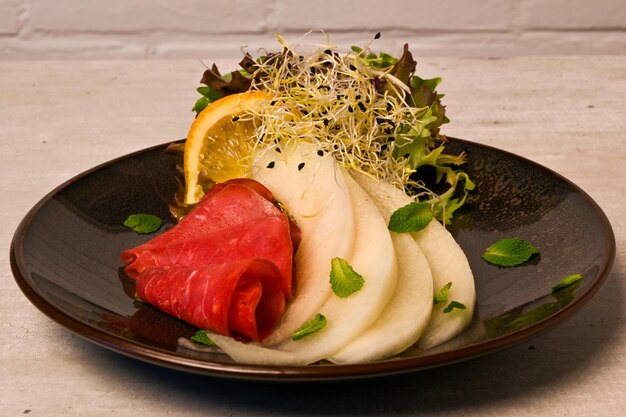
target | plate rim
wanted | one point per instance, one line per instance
(168, 359)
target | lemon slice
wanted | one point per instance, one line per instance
(220, 143)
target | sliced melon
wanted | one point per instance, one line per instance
(447, 262)
(404, 319)
(315, 194)
(374, 258)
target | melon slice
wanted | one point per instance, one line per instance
(404, 319)
(315, 194)
(447, 262)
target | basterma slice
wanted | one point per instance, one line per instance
(447, 262)
(314, 192)
(374, 259)
(406, 316)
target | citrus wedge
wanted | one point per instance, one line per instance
(220, 142)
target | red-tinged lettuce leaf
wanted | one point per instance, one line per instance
(218, 86)
(232, 83)
(405, 67)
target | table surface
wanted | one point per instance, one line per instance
(59, 118)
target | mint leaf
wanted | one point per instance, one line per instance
(343, 279)
(510, 251)
(454, 304)
(316, 324)
(143, 223)
(566, 282)
(202, 337)
(442, 294)
(411, 218)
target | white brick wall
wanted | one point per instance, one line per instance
(10, 17)
(103, 29)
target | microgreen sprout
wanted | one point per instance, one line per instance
(369, 111)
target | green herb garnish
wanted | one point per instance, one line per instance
(442, 294)
(566, 282)
(454, 304)
(314, 325)
(510, 251)
(202, 337)
(411, 218)
(343, 279)
(143, 223)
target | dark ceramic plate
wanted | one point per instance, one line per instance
(65, 258)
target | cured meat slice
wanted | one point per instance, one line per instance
(226, 267)
(255, 186)
(266, 238)
(241, 298)
(260, 189)
(229, 205)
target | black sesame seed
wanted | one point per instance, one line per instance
(380, 120)
(358, 97)
(361, 106)
(300, 166)
(326, 121)
(352, 67)
(235, 118)
(391, 139)
(377, 36)
(320, 153)
(271, 164)
(328, 52)
(313, 70)
(277, 150)
(350, 109)
(383, 147)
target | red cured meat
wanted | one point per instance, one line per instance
(230, 205)
(241, 298)
(266, 238)
(262, 191)
(256, 186)
(226, 267)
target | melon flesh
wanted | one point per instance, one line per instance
(315, 194)
(374, 258)
(408, 311)
(447, 262)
